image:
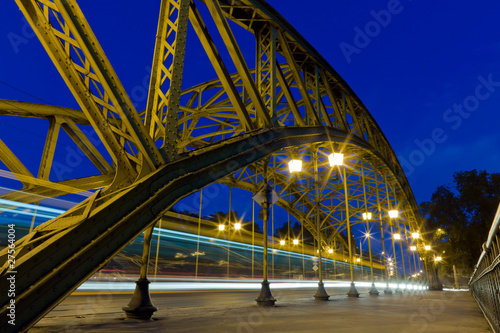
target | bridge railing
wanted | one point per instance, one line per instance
(485, 280)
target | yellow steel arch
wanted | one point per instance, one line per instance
(292, 103)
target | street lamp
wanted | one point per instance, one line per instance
(427, 247)
(393, 214)
(438, 258)
(282, 242)
(295, 242)
(415, 235)
(413, 248)
(222, 227)
(237, 226)
(336, 159)
(295, 166)
(367, 216)
(330, 251)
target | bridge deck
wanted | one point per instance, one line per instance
(296, 311)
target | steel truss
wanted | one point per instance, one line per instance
(292, 104)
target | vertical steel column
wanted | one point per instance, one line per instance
(398, 290)
(272, 237)
(321, 294)
(303, 255)
(387, 290)
(408, 255)
(265, 298)
(373, 290)
(163, 104)
(352, 290)
(402, 259)
(289, 249)
(157, 248)
(229, 227)
(253, 236)
(417, 272)
(140, 306)
(266, 76)
(198, 241)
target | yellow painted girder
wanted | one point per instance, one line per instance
(219, 67)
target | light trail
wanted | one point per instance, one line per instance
(30, 206)
(225, 284)
(178, 235)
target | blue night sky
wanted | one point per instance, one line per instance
(429, 72)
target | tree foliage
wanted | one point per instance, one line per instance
(459, 216)
(233, 217)
(295, 232)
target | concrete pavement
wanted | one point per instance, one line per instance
(295, 311)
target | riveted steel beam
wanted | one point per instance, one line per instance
(311, 116)
(220, 68)
(239, 61)
(74, 50)
(162, 110)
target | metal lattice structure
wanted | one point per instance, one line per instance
(485, 279)
(292, 104)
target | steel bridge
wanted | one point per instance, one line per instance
(241, 129)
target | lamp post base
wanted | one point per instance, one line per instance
(352, 291)
(140, 306)
(373, 291)
(388, 290)
(321, 294)
(265, 298)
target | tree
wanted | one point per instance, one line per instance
(459, 216)
(221, 217)
(295, 232)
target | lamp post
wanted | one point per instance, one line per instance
(413, 248)
(289, 259)
(367, 216)
(198, 240)
(253, 237)
(222, 228)
(387, 290)
(141, 306)
(321, 294)
(295, 165)
(394, 214)
(402, 260)
(361, 258)
(427, 248)
(229, 221)
(338, 158)
(265, 297)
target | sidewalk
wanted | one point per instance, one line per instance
(295, 311)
